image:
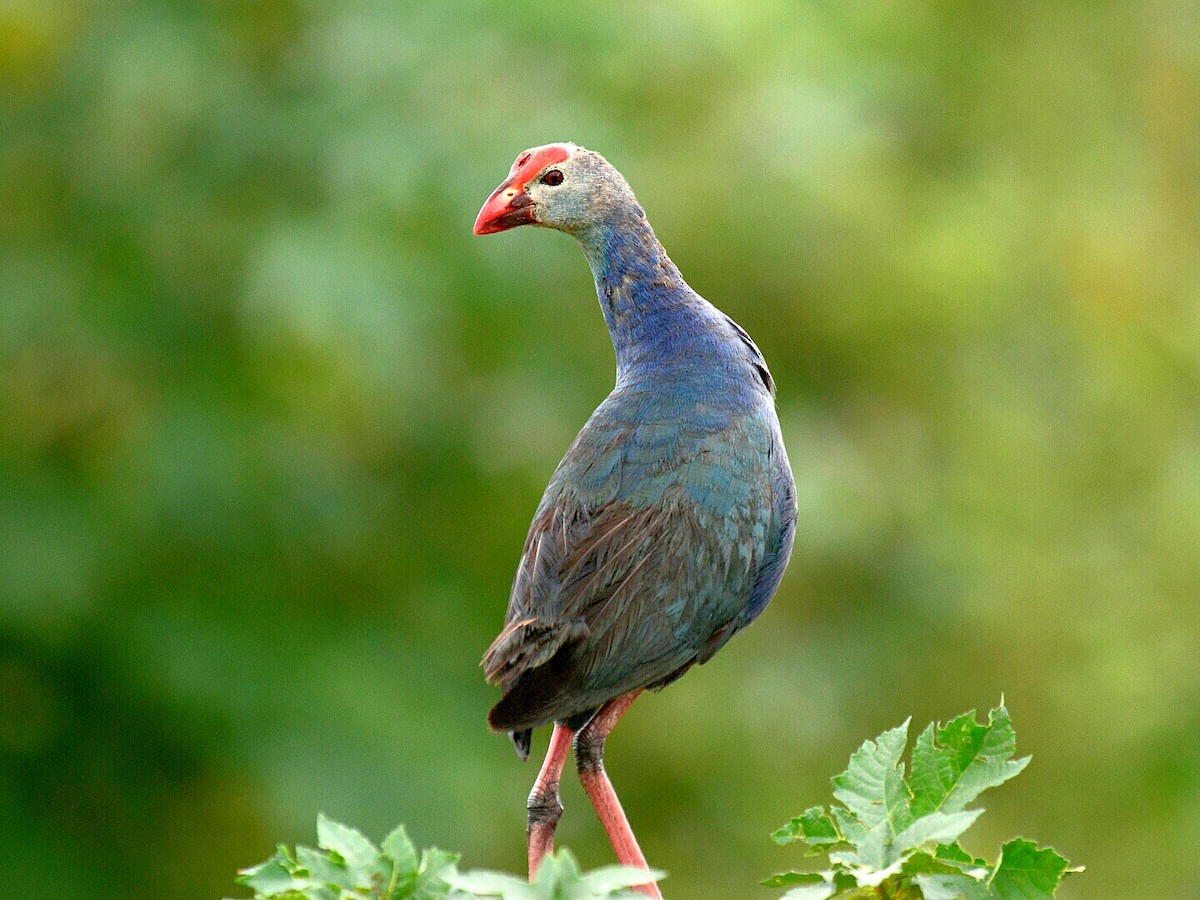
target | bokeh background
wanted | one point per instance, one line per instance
(273, 423)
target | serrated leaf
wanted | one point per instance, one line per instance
(852, 829)
(1026, 872)
(811, 892)
(482, 883)
(400, 849)
(897, 838)
(268, 878)
(956, 855)
(329, 869)
(608, 879)
(873, 790)
(351, 844)
(938, 827)
(923, 863)
(558, 878)
(815, 828)
(558, 873)
(787, 879)
(431, 881)
(435, 862)
(844, 879)
(874, 878)
(954, 764)
(951, 887)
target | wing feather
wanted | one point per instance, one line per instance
(626, 584)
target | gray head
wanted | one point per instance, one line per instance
(559, 186)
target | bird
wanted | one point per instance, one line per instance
(668, 524)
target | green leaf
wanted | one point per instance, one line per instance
(351, 845)
(609, 879)
(435, 862)
(1025, 872)
(956, 763)
(400, 850)
(787, 879)
(811, 892)
(482, 883)
(939, 827)
(431, 880)
(268, 878)
(814, 828)
(330, 869)
(951, 887)
(957, 856)
(898, 839)
(558, 878)
(873, 790)
(844, 880)
(923, 863)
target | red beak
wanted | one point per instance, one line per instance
(508, 207)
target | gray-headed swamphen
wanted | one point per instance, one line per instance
(666, 527)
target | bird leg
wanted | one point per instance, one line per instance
(545, 809)
(589, 757)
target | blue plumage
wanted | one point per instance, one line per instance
(667, 526)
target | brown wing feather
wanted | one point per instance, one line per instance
(598, 602)
(566, 556)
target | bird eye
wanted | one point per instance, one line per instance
(553, 178)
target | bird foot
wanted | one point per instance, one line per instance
(545, 809)
(589, 757)
(544, 806)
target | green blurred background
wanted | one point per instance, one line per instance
(273, 423)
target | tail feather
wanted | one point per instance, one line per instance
(522, 741)
(526, 644)
(549, 693)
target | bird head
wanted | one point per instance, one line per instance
(559, 186)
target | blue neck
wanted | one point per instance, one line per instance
(652, 315)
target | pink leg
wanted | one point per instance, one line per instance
(589, 756)
(544, 807)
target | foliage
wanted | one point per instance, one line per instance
(888, 838)
(347, 866)
(897, 837)
(558, 878)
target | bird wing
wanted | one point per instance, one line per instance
(643, 553)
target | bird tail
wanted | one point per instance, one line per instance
(522, 741)
(540, 696)
(525, 644)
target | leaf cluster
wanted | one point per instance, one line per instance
(347, 866)
(895, 838)
(888, 837)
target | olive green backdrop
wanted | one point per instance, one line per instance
(273, 423)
